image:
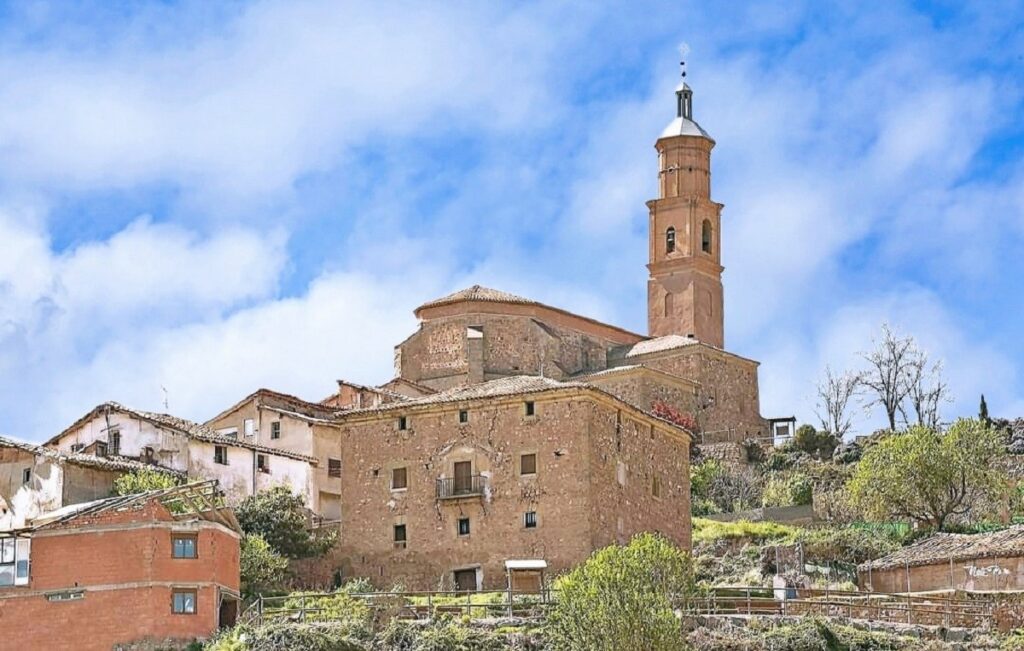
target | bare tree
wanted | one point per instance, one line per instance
(889, 366)
(834, 395)
(926, 391)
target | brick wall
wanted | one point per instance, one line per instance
(123, 563)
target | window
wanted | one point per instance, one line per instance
(531, 410)
(463, 526)
(78, 447)
(184, 602)
(656, 486)
(705, 237)
(250, 427)
(463, 416)
(528, 464)
(220, 454)
(403, 423)
(7, 561)
(334, 467)
(229, 432)
(275, 429)
(399, 479)
(115, 441)
(183, 545)
(147, 455)
(530, 519)
(26, 475)
(262, 465)
(670, 240)
(463, 480)
(101, 449)
(400, 539)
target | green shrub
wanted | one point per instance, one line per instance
(710, 530)
(282, 519)
(819, 445)
(790, 489)
(262, 568)
(316, 636)
(622, 598)
(141, 481)
(351, 613)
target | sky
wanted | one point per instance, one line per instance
(198, 199)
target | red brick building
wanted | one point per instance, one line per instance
(157, 566)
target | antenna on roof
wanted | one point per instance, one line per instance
(164, 389)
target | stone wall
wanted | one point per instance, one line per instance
(470, 348)
(574, 493)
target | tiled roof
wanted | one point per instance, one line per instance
(519, 384)
(189, 428)
(509, 386)
(113, 462)
(585, 375)
(477, 293)
(944, 547)
(659, 344)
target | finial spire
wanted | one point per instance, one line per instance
(684, 96)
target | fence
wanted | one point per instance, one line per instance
(922, 610)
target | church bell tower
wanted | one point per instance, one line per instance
(684, 291)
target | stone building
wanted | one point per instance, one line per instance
(515, 430)
(950, 561)
(36, 479)
(159, 567)
(241, 465)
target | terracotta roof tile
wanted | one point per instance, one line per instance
(958, 547)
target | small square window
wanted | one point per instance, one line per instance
(399, 479)
(183, 546)
(400, 538)
(220, 454)
(531, 409)
(463, 416)
(184, 602)
(275, 429)
(334, 467)
(530, 519)
(262, 464)
(403, 423)
(463, 526)
(26, 475)
(528, 464)
(101, 449)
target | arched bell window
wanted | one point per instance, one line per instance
(670, 240)
(705, 237)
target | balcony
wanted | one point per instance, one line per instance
(453, 488)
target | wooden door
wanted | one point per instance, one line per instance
(463, 477)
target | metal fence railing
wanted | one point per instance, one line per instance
(914, 609)
(450, 487)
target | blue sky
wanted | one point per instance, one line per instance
(204, 198)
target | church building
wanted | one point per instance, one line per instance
(515, 430)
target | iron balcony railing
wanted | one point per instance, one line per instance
(452, 487)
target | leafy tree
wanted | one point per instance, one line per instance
(282, 520)
(931, 478)
(792, 489)
(141, 481)
(262, 568)
(623, 598)
(819, 445)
